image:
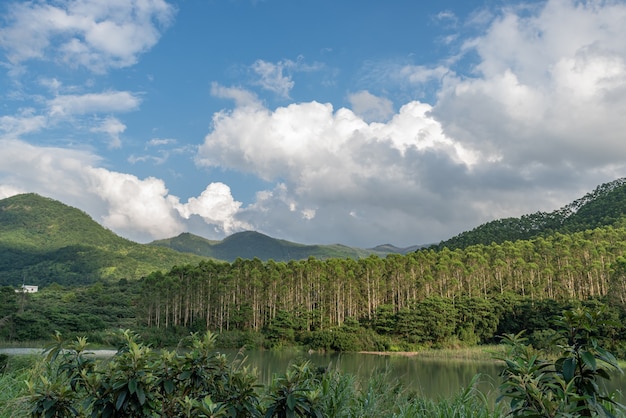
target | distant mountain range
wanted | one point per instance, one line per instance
(250, 244)
(43, 241)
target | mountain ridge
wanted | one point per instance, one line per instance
(604, 206)
(252, 244)
(45, 241)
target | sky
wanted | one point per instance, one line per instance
(316, 121)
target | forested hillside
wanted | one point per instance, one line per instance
(43, 241)
(431, 297)
(577, 266)
(606, 205)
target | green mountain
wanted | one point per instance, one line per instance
(605, 206)
(250, 244)
(44, 241)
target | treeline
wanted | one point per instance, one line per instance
(248, 294)
(401, 302)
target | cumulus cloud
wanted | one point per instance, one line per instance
(370, 107)
(539, 113)
(139, 209)
(90, 33)
(549, 87)
(216, 206)
(332, 164)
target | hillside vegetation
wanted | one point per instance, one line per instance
(605, 206)
(431, 297)
(43, 241)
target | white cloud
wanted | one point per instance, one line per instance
(135, 207)
(370, 107)
(157, 142)
(331, 162)
(26, 122)
(241, 97)
(549, 88)
(112, 127)
(91, 33)
(272, 77)
(278, 77)
(540, 113)
(107, 102)
(139, 209)
(216, 206)
(420, 74)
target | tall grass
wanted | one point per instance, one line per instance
(13, 387)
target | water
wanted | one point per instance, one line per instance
(430, 378)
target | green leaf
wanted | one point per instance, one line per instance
(120, 400)
(132, 386)
(169, 386)
(291, 401)
(569, 368)
(589, 360)
(141, 395)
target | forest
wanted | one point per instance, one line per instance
(465, 291)
(428, 298)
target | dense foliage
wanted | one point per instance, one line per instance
(198, 381)
(43, 241)
(398, 303)
(431, 297)
(569, 386)
(424, 298)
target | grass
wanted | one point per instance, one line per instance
(481, 352)
(477, 353)
(13, 388)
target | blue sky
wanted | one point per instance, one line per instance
(353, 122)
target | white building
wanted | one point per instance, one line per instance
(25, 288)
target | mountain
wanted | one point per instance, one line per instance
(44, 241)
(605, 206)
(250, 244)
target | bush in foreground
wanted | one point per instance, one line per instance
(198, 382)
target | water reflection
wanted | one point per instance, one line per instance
(431, 378)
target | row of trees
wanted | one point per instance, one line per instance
(248, 294)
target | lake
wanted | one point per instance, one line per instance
(431, 378)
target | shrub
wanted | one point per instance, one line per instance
(567, 386)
